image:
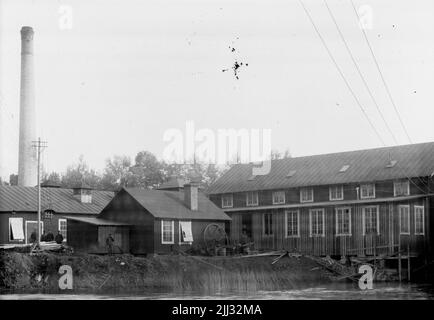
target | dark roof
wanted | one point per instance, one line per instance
(97, 221)
(170, 204)
(61, 200)
(413, 160)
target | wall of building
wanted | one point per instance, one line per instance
(383, 189)
(330, 244)
(198, 227)
(83, 237)
(48, 225)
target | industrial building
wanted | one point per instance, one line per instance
(365, 202)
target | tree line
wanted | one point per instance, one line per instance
(146, 171)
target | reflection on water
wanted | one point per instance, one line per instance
(339, 291)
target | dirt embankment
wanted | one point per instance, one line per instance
(174, 273)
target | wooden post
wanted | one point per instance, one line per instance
(399, 256)
(408, 261)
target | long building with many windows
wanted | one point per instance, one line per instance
(350, 203)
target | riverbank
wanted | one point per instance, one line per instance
(169, 273)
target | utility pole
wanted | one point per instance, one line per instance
(39, 145)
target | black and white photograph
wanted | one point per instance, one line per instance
(235, 151)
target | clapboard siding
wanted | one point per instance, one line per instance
(330, 244)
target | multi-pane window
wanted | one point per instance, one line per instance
(419, 220)
(306, 195)
(16, 229)
(268, 224)
(316, 217)
(343, 221)
(401, 188)
(404, 219)
(167, 231)
(252, 198)
(367, 191)
(227, 201)
(278, 197)
(292, 223)
(62, 228)
(336, 192)
(371, 223)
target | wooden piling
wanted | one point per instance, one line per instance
(408, 261)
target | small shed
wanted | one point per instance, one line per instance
(89, 234)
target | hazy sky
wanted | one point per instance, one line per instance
(126, 71)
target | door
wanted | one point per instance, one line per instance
(32, 226)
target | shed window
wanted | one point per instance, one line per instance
(167, 231)
(62, 228)
(227, 201)
(316, 217)
(279, 197)
(336, 193)
(343, 221)
(419, 220)
(292, 219)
(371, 222)
(186, 235)
(268, 224)
(367, 191)
(252, 198)
(401, 188)
(404, 219)
(16, 229)
(306, 195)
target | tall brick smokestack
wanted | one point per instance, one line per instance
(27, 171)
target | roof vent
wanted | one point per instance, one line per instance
(344, 168)
(291, 173)
(391, 164)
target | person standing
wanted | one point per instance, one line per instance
(58, 238)
(109, 243)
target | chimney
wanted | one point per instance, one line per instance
(27, 172)
(191, 195)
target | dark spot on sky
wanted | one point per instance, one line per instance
(379, 35)
(414, 91)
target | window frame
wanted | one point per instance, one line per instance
(349, 233)
(173, 232)
(311, 235)
(298, 224)
(247, 199)
(231, 195)
(25, 230)
(275, 192)
(364, 219)
(9, 230)
(66, 227)
(361, 192)
(263, 225)
(301, 195)
(401, 181)
(423, 220)
(399, 216)
(342, 193)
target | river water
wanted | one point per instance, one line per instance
(341, 291)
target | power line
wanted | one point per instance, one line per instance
(340, 72)
(359, 71)
(383, 81)
(381, 75)
(367, 86)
